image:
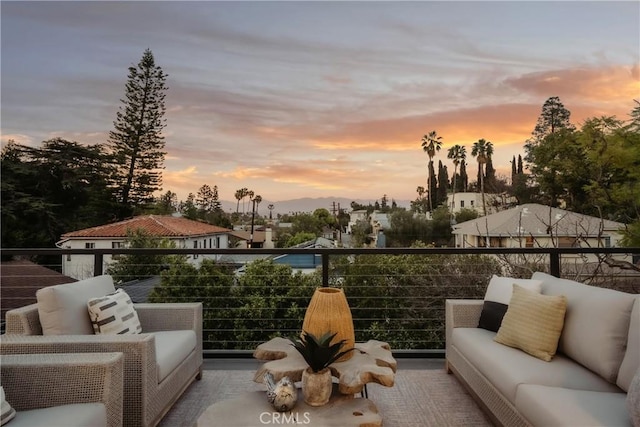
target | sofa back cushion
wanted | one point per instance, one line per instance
(497, 297)
(596, 324)
(63, 308)
(631, 362)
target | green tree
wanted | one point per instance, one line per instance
(188, 208)
(210, 284)
(137, 141)
(457, 154)
(431, 144)
(553, 117)
(399, 299)
(137, 266)
(407, 229)
(166, 204)
(443, 184)
(272, 300)
(421, 204)
(482, 150)
(299, 238)
(47, 191)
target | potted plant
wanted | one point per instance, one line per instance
(319, 353)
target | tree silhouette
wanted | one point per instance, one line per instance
(431, 144)
(137, 142)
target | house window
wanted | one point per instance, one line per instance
(529, 242)
(90, 245)
(607, 242)
(567, 242)
(217, 242)
(117, 245)
(68, 255)
(461, 203)
(471, 203)
(195, 246)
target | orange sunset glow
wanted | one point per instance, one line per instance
(317, 99)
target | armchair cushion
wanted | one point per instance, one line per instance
(6, 411)
(172, 348)
(73, 415)
(114, 314)
(63, 308)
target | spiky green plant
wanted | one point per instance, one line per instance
(319, 353)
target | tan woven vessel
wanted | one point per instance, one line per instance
(329, 311)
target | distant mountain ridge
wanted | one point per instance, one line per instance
(305, 204)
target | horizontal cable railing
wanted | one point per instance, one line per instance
(395, 294)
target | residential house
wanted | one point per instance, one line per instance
(354, 217)
(185, 233)
(473, 201)
(262, 237)
(533, 225)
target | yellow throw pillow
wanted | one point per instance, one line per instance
(533, 323)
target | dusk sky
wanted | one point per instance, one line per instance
(317, 99)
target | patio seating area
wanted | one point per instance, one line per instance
(181, 363)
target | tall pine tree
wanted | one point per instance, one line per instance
(137, 142)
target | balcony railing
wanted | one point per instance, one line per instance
(395, 294)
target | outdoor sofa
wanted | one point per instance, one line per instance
(592, 380)
(159, 363)
(71, 390)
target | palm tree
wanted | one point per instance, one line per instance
(239, 195)
(257, 200)
(457, 154)
(249, 193)
(431, 143)
(482, 151)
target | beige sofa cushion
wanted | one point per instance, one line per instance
(507, 367)
(75, 415)
(63, 308)
(533, 323)
(631, 362)
(554, 406)
(596, 319)
(172, 348)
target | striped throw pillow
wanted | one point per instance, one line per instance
(6, 411)
(114, 314)
(533, 323)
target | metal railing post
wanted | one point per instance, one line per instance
(554, 263)
(97, 264)
(325, 269)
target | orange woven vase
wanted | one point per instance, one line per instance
(329, 311)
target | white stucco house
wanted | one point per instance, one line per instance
(185, 233)
(533, 225)
(465, 200)
(354, 217)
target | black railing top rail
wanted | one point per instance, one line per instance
(98, 253)
(320, 251)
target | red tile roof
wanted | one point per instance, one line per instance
(20, 279)
(155, 225)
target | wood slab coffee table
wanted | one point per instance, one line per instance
(372, 362)
(253, 410)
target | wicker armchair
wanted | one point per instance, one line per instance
(90, 385)
(149, 388)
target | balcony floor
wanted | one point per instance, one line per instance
(423, 395)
